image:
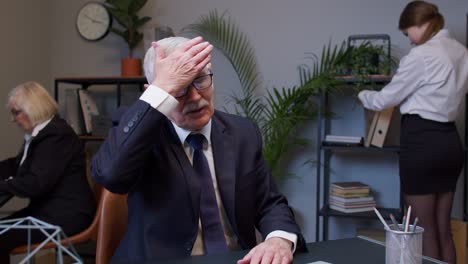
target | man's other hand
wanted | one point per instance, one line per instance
(274, 250)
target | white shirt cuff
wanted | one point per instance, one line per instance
(364, 98)
(286, 235)
(159, 100)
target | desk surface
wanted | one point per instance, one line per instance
(346, 251)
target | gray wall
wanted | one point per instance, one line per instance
(281, 32)
(26, 53)
(25, 49)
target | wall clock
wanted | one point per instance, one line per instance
(93, 21)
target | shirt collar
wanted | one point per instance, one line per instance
(443, 33)
(183, 133)
(36, 130)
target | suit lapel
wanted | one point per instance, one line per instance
(224, 160)
(191, 179)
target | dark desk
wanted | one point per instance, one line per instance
(351, 250)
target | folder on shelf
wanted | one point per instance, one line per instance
(89, 108)
(379, 128)
(73, 112)
(371, 129)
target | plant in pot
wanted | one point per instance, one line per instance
(366, 62)
(125, 12)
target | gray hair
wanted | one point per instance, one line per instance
(168, 45)
(34, 101)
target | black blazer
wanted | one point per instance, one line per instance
(53, 176)
(144, 157)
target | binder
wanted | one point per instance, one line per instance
(369, 135)
(381, 127)
(89, 108)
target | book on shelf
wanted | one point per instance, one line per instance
(349, 185)
(343, 140)
(350, 195)
(354, 205)
(344, 200)
(345, 189)
(363, 191)
(351, 210)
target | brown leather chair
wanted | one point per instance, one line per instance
(112, 225)
(89, 234)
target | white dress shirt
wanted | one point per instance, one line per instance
(431, 81)
(166, 104)
(29, 137)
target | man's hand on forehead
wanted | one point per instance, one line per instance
(178, 69)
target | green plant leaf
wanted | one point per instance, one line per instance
(141, 21)
(136, 5)
(224, 34)
(122, 17)
(135, 40)
(125, 13)
(120, 4)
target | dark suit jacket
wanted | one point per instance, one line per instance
(53, 176)
(144, 157)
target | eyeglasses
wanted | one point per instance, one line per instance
(16, 112)
(200, 83)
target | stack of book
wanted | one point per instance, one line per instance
(351, 197)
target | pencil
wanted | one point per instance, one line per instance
(395, 223)
(415, 223)
(408, 217)
(381, 218)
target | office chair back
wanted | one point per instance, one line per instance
(112, 225)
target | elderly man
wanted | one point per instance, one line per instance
(196, 179)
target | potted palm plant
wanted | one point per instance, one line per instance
(280, 113)
(125, 12)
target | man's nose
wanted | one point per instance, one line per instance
(193, 93)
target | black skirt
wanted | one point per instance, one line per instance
(431, 156)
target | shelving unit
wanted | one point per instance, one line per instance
(86, 82)
(324, 152)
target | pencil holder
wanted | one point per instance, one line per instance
(403, 247)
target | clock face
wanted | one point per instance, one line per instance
(93, 21)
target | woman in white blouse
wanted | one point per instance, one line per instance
(429, 86)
